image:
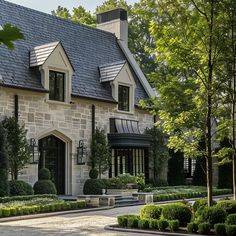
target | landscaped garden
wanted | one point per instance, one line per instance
(219, 219)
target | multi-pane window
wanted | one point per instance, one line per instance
(56, 86)
(123, 98)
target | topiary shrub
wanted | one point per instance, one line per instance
(6, 212)
(162, 224)
(153, 224)
(19, 187)
(122, 220)
(204, 228)
(151, 212)
(192, 227)
(45, 187)
(213, 215)
(173, 225)
(201, 203)
(220, 229)
(93, 173)
(133, 221)
(231, 219)
(177, 211)
(143, 223)
(44, 174)
(228, 205)
(231, 230)
(93, 187)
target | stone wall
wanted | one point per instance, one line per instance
(71, 122)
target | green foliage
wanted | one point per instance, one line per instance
(200, 204)
(228, 205)
(6, 212)
(225, 175)
(44, 174)
(123, 220)
(199, 175)
(4, 186)
(173, 225)
(9, 34)
(93, 173)
(231, 230)
(19, 187)
(162, 224)
(44, 187)
(213, 215)
(151, 211)
(17, 147)
(122, 181)
(231, 219)
(143, 223)
(27, 198)
(204, 228)
(192, 227)
(158, 182)
(132, 221)
(93, 187)
(153, 223)
(100, 152)
(177, 211)
(140, 180)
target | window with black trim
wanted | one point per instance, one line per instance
(56, 86)
(123, 98)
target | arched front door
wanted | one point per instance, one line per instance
(52, 156)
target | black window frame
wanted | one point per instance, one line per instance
(123, 98)
(55, 96)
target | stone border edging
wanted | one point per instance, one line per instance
(43, 215)
(115, 228)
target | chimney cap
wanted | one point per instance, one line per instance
(117, 13)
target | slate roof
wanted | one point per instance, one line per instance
(108, 72)
(86, 47)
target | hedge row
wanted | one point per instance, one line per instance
(135, 221)
(174, 196)
(26, 197)
(26, 210)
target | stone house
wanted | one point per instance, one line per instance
(63, 80)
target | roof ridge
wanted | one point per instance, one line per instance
(59, 18)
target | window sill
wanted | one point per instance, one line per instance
(57, 102)
(126, 112)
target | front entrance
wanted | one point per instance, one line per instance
(52, 157)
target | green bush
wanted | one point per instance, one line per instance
(93, 187)
(231, 219)
(44, 174)
(44, 187)
(173, 225)
(220, 229)
(201, 203)
(0, 212)
(204, 228)
(153, 223)
(231, 230)
(122, 220)
(177, 211)
(143, 223)
(93, 173)
(228, 205)
(81, 204)
(192, 227)
(19, 187)
(162, 224)
(133, 221)
(6, 212)
(213, 215)
(13, 211)
(151, 212)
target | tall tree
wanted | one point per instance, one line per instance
(188, 36)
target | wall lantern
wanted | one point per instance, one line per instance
(81, 153)
(34, 149)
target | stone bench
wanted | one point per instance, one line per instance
(98, 200)
(146, 198)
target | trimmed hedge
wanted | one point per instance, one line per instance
(132, 221)
(220, 229)
(231, 230)
(143, 223)
(192, 227)
(44, 174)
(151, 211)
(93, 173)
(162, 224)
(45, 187)
(93, 187)
(173, 225)
(19, 188)
(51, 207)
(228, 205)
(201, 203)
(231, 219)
(177, 211)
(204, 228)
(26, 197)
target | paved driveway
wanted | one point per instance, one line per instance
(90, 223)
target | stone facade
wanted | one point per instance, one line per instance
(69, 122)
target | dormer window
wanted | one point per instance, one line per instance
(123, 98)
(56, 86)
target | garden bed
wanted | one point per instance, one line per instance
(26, 205)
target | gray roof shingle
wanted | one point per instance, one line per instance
(86, 47)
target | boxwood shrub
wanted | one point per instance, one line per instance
(132, 221)
(6, 212)
(173, 225)
(201, 203)
(162, 224)
(151, 211)
(19, 187)
(231, 230)
(143, 223)
(93, 187)
(177, 211)
(228, 205)
(231, 219)
(45, 187)
(153, 223)
(192, 227)
(204, 228)
(220, 229)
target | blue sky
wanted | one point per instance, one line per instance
(49, 5)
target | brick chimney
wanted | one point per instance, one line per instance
(114, 21)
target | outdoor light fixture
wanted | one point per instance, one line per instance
(81, 153)
(34, 149)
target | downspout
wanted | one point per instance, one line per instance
(16, 112)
